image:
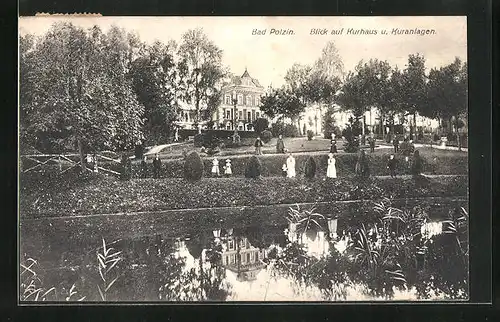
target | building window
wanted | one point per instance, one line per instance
(227, 260)
(257, 101)
(242, 243)
(253, 115)
(228, 114)
(240, 115)
(257, 114)
(248, 257)
(240, 99)
(249, 114)
(228, 99)
(249, 100)
(231, 245)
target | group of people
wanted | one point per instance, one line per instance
(289, 167)
(216, 170)
(156, 167)
(280, 145)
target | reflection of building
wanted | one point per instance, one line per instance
(239, 256)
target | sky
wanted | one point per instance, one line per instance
(267, 57)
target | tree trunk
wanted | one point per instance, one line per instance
(80, 151)
(414, 126)
(457, 134)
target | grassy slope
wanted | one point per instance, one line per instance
(109, 195)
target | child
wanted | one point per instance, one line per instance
(283, 168)
(290, 166)
(258, 146)
(215, 167)
(227, 168)
(331, 170)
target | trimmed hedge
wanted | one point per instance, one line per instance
(110, 195)
(193, 167)
(253, 168)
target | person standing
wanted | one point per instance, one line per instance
(258, 146)
(396, 145)
(290, 166)
(96, 167)
(333, 146)
(331, 170)
(215, 167)
(144, 167)
(372, 144)
(280, 146)
(391, 165)
(227, 168)
(156, 166)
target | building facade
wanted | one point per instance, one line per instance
(240, 103)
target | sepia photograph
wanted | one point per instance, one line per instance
(258, 158)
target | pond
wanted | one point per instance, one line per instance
(306, 260)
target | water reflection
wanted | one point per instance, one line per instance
(293, 262)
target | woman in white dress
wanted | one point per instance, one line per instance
(227, 168)
(290, 166)
(215, 167)
(331, 170)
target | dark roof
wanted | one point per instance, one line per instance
(237, 80)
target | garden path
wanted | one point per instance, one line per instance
(158, 148)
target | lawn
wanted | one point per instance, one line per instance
(108, 195)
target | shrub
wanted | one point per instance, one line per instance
(266, 136)
(452, 137)
(198, 140)
(260, 124)
(310, 168)
(406, 148)
(253, 168)
(193, 167)
(277, 128)
(310, 135)
(208, 139)
(290, 131)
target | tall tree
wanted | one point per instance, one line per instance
(394, 97)
(201, 70)
(81, 88)
(414, 88)
(330, 64)
(447, 93)
(282, 103)
(155, 80)
(357, 91)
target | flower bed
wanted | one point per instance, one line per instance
(109, 195)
